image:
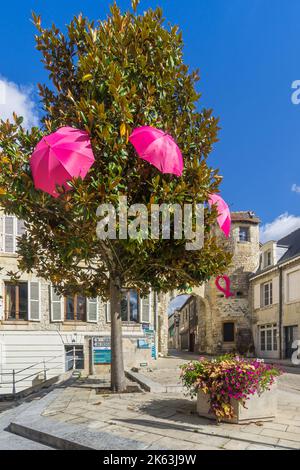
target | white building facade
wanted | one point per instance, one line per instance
(275, 293)
(42, 334)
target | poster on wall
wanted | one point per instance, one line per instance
(150, 338)
(101, 350)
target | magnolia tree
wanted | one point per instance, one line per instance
(109, 77)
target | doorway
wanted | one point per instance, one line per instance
(74, 357)
(290, 335)
(192, 342)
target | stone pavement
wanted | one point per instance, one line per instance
(76, 414)
(169, 421)
(166, 370)
(13, 442)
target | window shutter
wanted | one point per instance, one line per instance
(292, 287)
(92, 310)
(107, 312)
(57, 306)
(257, 294)
(145, 305)
(20, 227)
(9, 234)
(272, 286)
(1, 309)
(34, 301)
(2, 362)
(1, 232)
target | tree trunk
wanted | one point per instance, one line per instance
(118, 383)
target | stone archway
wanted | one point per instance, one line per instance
(194, 336)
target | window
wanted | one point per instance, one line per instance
(75, 308)
(262, 340)
(16, 301)
(133, 307)
(269, 340)
(275, 339)
(22, 301)
(267, 258)
(129, 306)
(12, 228)
(74, 357)
(268, 337)
(244, 234)
(228, 332)
(267, 290)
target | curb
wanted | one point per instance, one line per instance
(150, 386)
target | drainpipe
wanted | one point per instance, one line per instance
(156, 323)
(280, 311)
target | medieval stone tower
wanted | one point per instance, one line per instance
(225, 324)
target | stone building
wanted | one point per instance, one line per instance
(228, 323)
(173, 331)
(39, 330)
(183, 326)
(275, 297)
(225, 324)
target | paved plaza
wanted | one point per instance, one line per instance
(77, 414)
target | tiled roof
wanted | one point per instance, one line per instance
(245, 216)
(293, 242)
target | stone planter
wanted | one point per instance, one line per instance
(259, 408)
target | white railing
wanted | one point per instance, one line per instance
(15, 374)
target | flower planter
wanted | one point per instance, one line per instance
(262, 408)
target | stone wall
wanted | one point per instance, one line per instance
(163, 324)
(235, 309)
(212, 306)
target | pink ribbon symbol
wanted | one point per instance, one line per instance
(225, 290)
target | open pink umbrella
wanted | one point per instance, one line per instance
(158, 148)
(224, 218)
(59, 157)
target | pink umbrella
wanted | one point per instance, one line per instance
(224, 218)
(59, 157)
(158, 148)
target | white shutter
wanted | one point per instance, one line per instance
(34, 301)
(2, 362)
(57, 306)
(1, 301)
(145, 306)
(257, 301)
(92, 310)
(1, 232)
(275, 290)
(107, 312)
(20, 227)
(9, 234)
(293, 283)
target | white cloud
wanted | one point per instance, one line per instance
(295, 188)
(177, 302)
(18, 99)
(280, 227)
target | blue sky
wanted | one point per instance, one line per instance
(248, 53)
